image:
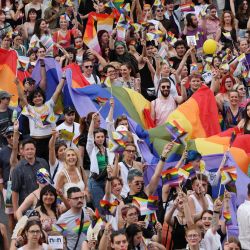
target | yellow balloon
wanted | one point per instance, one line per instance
(209, 47)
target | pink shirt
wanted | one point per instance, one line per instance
(162, 108)
(212, 25)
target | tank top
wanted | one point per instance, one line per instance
(178, 235)
(198, 207)
(124, 168)
(70, 184)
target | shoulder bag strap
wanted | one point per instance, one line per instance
(54, 174)
(72, 132)
(80, 229)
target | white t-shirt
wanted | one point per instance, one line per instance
(91, 79)
(74, 128)
(41, 119)
(212, 241)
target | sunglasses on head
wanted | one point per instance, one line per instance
(165, 87)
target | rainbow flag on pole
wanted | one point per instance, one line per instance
(90, 35)
(153, 202)
(228, 218)
(187, 7)
(171, 177)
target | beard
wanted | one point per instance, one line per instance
(165, 93)
(194, 26)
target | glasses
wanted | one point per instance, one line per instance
(192, 236)
(137, 183)
(165, 87)
(130, 151)
(111, 71)
(88, 66)
(9, 136)
(34, 231)
(8, 98)
(77, 198)
(159, 10)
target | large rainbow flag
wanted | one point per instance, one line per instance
(8, 72)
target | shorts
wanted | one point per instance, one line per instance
(8, 210)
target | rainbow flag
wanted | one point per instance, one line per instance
(109, 207)
(85, 226)
(90, 35)
(153, 202)
(151, 219)
(187, 7)
(157, 3)
(228, 218)
(118, 141)
(195, 123)
(8, 71)
(177, 132)
(118, 3)
(101, 101)
(125, 7)
(60, 229)
(171, 177)
(231, 171)
(142, 204)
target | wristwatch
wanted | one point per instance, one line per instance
(163, 158)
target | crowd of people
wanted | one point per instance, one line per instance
(76, 193)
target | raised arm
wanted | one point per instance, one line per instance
(152, 186)
(43, 82)
(14, 152)
(216, 215)
(20, 92)
(59, 88)
(27, 203)
(52, 152)
(187, 213)
(169, 215)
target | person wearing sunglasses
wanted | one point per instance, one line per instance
(162, 106)
(87, 69)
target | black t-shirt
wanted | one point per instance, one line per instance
(5, 122)
(176, 61)
(5, 153)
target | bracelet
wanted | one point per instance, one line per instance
(1, 180)
(162, 158)
(216, 212)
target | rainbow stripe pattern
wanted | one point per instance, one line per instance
(228, 218)
(153, 202)
(171, 177)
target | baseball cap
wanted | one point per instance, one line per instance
(10, 129)
(4, 94)
(29, 80)
(69, 110)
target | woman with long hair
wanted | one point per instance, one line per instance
(241, 89)
(126, 79)
(232, 243)
(233, 113)
(100, 158)
(243, 16)
(17, 14)
(245, 122)
(227, 33)
(80, 49)
(72, 174)
(179, 220)
(48, 209)
(33, 236)
(5, 27)
(29, 25)
(35, 4)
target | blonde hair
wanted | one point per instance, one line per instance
(76, 151)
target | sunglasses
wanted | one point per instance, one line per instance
(8, 98)
(137, 183)
(165, 87)
(159, 10)
(9, 136)
(130, 151)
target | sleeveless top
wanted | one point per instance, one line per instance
(70, 184)
(178, 235)
(44, 247)
(124, 168)
(198, 207)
